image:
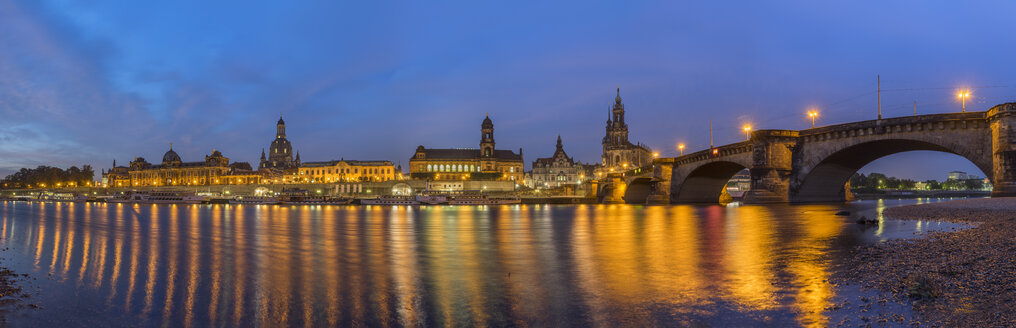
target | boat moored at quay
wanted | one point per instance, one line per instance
(390, 200)
(254, 200)
(157, 197)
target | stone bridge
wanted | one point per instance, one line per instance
(814, 165)
(635, 186)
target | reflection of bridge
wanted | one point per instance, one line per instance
(814, 165)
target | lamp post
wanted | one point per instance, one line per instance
(680, 148)
(812, 114)
(747, 132)
(963, 95)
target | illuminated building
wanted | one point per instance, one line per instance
(173, 171)
(619, 153)
(347, 171)
(556, 171)
(485, 163)
(118, 176)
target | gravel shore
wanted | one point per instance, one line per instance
(965, 278)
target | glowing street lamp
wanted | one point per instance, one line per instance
(813, 114)
(963, 95)
(655, 155)
(747, 132)
(680, 148)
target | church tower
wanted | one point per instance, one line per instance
(487, 144)
(280, 153)
(618, 152)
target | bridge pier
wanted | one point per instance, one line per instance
(663, 169)
(1002, 120)
(772, 165)
(617, 188)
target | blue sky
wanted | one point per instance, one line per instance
(86, 82)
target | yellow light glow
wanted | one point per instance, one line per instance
(655, 155)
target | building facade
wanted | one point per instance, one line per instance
(348, 171)
(484, 163)
(619, 154)
(173, 171)
(556, 171)
(280, 154)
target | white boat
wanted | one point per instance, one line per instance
(390, 200)
(157, 197)
(483, 200)
(254, 200)
(432, 199)
(128, 197)
(173, 197)
(304, 197)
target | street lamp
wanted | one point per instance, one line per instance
(747, 132)
(655, 155)
(963, 95)
(680, 148)
(812, 114)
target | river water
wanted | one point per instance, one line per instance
(535, 265)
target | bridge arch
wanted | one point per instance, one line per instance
(821, 175)
(638, 190)
(705, 183)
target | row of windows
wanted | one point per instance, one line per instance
(459, 168)
(452, 168)
(348, 171)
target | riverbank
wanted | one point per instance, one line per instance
(960, 278)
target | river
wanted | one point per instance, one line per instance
(100, 264)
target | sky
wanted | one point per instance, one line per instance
(89, 82)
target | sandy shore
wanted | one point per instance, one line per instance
(964, 278)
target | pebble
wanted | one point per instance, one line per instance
(953, 279)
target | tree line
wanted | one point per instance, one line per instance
(48, 176)
(881, 181)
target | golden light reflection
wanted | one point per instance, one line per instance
(749, 266)
(214, 265)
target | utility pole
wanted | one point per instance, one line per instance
(915, 107)
(879, 84)
(710, 133)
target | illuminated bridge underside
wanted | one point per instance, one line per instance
(813, 165)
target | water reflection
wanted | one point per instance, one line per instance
(538, 265)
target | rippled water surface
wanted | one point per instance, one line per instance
(221, 265)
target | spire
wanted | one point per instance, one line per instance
(262, 154)
(617, 100)
(559, 146)
(171, 146)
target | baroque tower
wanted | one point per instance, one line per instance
(618, 152)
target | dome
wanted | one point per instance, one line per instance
(487, 122)
(171, 156)
(281, 122)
